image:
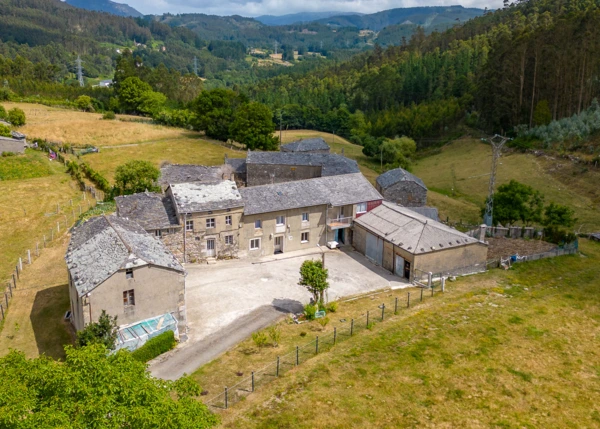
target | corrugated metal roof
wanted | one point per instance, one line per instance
(337, 190)
(104, 245)
(305, 145)
(205, 196)
(411, 231)
(396, 175)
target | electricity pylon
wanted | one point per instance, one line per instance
(497, 142)
(79, 71)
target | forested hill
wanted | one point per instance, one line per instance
(106, 6)
(532, 60)
(301, 17)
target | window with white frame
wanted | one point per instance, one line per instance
(210, 223)
(129, 273)
(304, 237)
(305, 217)
(158, 233)
(229, 239)
(189, 225)
(361, 208)
(257, 224)
(280, 220)
(255, 244)
(228, 220)
(128, 298)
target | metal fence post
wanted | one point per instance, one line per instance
(351, 327)
(430, 279)
(382, 311)
(14, 280)
(334, 335)
(297, 355)
(2, 310)
(10, 289)
(443, 284)
(432, 290)
(253, 381)
(408, 301)
(367, 318)
(6, 299)
(396, 305)
(422, 294)
(317, 345)
(226, 397)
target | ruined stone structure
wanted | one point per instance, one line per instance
(401, 187)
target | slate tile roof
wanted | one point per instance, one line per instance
(205, 196)
(152, 211)
(306, 145)
(106, 244)
(332, 164)
(411, 231)
(182, 173)
(237, 164)
(430, 212)
(338, 191)
(396, 175)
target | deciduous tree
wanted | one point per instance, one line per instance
(314, 277)
(136, 176)
(104, 332)
(253, 126)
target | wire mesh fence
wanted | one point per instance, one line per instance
(322, 343)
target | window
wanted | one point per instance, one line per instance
(128, 298)
(129, 273)
(255, 244)
(280, 220)
(189, 225)
(304, 237)
(228, 220)
(229, 239)
(257, 224)
(158, 233)
(210, 223)
(304, 217)
(361, 208)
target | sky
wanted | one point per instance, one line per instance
(283, 7)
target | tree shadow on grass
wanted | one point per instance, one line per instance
(50, 329)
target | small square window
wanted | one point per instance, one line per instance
(304, 217)
(129, 274)
(361, 208)
(257, 224)
(280, 220)
(189, 225)
(229, 239)
(228, 220)
(210, 223)
(255, 244)
(158, 233)
(304, 237)
(129, 297)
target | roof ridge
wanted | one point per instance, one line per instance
(126, 244)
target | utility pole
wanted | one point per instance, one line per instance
(79, 71)
(280, 125)
(275, 45)
(196, 66)
(497, 142)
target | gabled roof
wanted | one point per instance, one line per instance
(181, 173)
(237, 164)
(306, 145)
(206, 196)
(338, 191)
(152, 211)
(104, 245)
(397, 175)
(332, 164)
(430, 212)
(411, 231)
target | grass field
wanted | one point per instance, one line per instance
(32, 164)
(506, 349)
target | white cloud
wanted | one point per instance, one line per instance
(283, 7)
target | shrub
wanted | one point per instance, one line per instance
(16, 117)
(303, 334)
(5, 131)
(84, 103)
(323, 321)
(259, 338)
(274, 334)
(332, 307)
(6, 154)
(110, 115)
(309, 311)
(155, 347)
(3, 114)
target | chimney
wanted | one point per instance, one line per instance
(482, 231)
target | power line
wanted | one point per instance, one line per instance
(497, 142)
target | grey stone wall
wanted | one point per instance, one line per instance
(283, 149)
(11, 145)
(408, 194)
(264, 174)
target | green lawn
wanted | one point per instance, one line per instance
(507, 349)
(29, 165)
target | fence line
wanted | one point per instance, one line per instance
(231, 394)
(509, 260)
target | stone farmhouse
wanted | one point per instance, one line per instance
(314, 145)
(402, 187)
(153, 212)
(407, 243)
(115, 265)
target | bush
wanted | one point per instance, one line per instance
(558, 236)
(310, 311)
(7, 154)
(110, 115)
(332, 307)
(259, 338)
(16, 117)
(274, 335)
(155, 347)
(303, 334)
(5, 131)
(323, 321)
(3, 114)
(84, 103)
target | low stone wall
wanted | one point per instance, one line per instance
(11, 145)
(195, 247)
(501, 232)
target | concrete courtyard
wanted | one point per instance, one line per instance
(229, 300)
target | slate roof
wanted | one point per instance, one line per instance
(206, 196)
(151, 211)
(238, 165)
(396, 175)
(332, 164)
(106, 244)
(411, 231)
(306, 145)
(595, 236)
(430, 212)
(182, 173)
(337, 191)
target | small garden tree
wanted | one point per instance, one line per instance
(136, 176)
(84, 103)
(515, 201)
(104, 331)
(4, 131)
(556, 215)
(314, 277)
(16, 117)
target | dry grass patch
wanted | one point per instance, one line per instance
(504, 349)
(70, 126)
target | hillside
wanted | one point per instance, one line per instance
(301, 17)
(108, 6)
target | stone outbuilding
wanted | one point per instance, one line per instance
(115, 265)
(401, 187)
(411, 245)
(313, 145)
(153, 212)
(171, 174)
(12, 145)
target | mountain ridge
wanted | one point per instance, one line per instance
(119, 9)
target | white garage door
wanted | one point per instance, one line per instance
(374, 248)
